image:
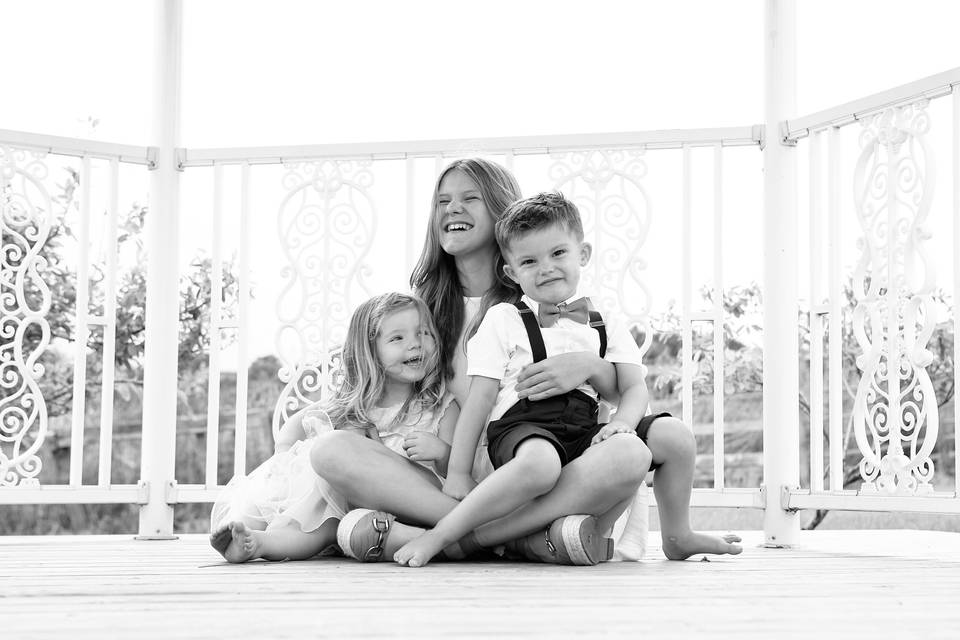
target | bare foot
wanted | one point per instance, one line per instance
(400, 535)
(684, 546)
(419, 551)
(236, 542)
(220, 539)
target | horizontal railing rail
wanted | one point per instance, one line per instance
(79, 147)
(458, 147)
(935, 86)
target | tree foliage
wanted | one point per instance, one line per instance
(743, 358)
(60, 276)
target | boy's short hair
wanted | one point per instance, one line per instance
(539, 211)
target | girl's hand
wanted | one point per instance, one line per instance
(555, 375)
(457, 486)
(425, 447)
(611, 428)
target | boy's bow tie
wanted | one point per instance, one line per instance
(578, 311)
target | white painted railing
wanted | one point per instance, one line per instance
(893, 177)
(326, 267)
(28, 214)
(328, 222)
(326, 192)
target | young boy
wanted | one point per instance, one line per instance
(541, 239)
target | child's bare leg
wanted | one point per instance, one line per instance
(399, 486)
(291, 543)
(606, 520)
(673, 447)
(598, 483)
(280, 543)
(532, 472)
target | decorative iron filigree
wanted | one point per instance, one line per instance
(895, 410)
(606, 186)
(25, 221)
(327, 223)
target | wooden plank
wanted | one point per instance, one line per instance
(835, 582)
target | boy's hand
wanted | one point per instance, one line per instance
(553, 376)
(615, 426)
(425, 447)
(457, 485)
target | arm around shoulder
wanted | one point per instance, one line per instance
(565, 372)
(605, 379)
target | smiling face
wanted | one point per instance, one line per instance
(465, 224)
(405, 346)
(546, 263)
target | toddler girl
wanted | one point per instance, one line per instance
(391, 390)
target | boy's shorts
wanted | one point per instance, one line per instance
(568, 422)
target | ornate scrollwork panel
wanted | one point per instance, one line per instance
(25, 221)
(895, 410)
(607, 187)
(326, 224)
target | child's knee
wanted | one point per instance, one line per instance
(630, 458)
(538, 465)
(330, 455)
(670, 437)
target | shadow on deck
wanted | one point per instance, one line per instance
(833, 584)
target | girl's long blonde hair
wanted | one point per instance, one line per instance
(435, 279)
(361, 378)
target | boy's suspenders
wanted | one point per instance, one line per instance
(536, 338)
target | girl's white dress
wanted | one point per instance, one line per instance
(285, 489)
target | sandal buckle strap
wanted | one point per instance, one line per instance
(381, 526)
(546, 536)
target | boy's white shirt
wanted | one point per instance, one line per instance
(500, 348)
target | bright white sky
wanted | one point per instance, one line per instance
(260, 72)
(307, 72)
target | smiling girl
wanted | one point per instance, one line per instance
(391, 391)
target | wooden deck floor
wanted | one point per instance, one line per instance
(848, 584)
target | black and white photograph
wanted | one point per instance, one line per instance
(445, 319)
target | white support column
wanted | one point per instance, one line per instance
(686, 293)
(781, 416)
(162, 328)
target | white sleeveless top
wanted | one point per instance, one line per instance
(459, 385)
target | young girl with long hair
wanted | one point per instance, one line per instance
(460, 271)
(390, 390)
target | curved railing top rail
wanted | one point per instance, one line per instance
(79, 147)
(934, 86)
(517, 145)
